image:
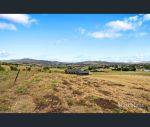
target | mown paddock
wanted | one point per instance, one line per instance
(94, 93)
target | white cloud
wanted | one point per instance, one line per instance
(133, 18)
(105, 34)
(129, 23)
(116, 28)
(82, 30)
(23, 19)
(7, 26)
(119, 25)
(146, 17)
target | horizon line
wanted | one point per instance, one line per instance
(77, 61)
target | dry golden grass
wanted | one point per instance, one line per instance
(57, 92)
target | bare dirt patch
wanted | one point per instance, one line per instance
(106, 104)
(140, 88)
(105, 92)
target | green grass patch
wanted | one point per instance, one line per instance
(4, 104)
(21, 89)
(53, 84)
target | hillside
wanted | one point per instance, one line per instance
(46, 62)
(32, 61)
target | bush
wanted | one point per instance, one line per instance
(132, 69)
(5, 63)
(91, 68)
(70, 67)
(147, 66)
(28, 69)
(46, 68)
(12, 68)
(2, 68)
(125, 69)
(39, 70)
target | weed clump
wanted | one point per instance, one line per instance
(21, 90)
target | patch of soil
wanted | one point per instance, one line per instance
(129, 94)
(53, 103)
(84, 102)
(65, 82)
(140, 88)
(104, 92)
(106, 104)
(114, 84)
(77, 92)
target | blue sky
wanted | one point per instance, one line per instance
(75, 37)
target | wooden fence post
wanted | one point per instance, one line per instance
(17, 76)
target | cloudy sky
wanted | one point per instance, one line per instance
(75, 37)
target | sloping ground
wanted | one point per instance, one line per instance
(56, 92)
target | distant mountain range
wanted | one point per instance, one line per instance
(32, 61)
(45, 62)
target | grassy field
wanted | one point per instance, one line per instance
(100, 92)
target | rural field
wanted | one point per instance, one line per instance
(74, 63)
(49, 92)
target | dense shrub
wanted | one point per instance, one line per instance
(70, 67)
(2, 68)
(132, 69)
(46, 68)
(39, 70)
(28, 69)
(125, 69)
(147, 66)
(91, 68)
(12, 68)
(5, 63)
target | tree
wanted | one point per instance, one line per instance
(90, 68)
(132, 68)
(69, 67)
(147, 66)
(125, 69)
